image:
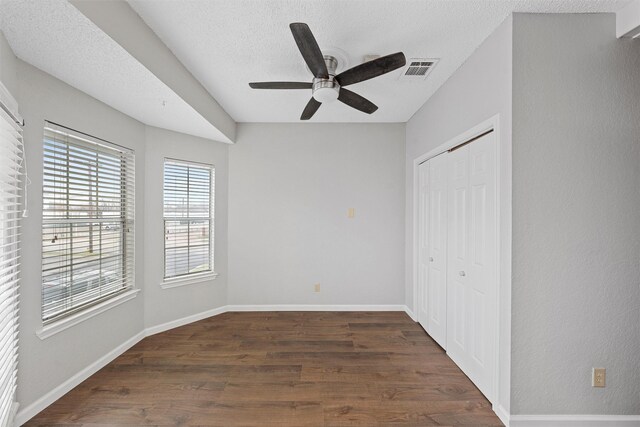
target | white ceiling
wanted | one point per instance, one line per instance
(226, 44)
(55, 37)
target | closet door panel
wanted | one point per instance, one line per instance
(482, 265)
(471, 276)
(423, 249)
(457, 312)
(437, 236)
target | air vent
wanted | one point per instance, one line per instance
(418, 68)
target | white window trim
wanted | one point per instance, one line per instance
(188, 279)
(60, 325)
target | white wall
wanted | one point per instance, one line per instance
(479, 90)
(290, 188)
(576, 215)
(165, 305)
(45, 364)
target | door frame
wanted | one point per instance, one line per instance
(502, 369)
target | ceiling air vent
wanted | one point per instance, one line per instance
(418, 68)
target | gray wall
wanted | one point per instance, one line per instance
(480, 89)
(45, 364)
(576, 216)
(290, 189)
(8, 75)
(165, 305)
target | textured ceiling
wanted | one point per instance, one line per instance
(226, 44)
(55, 37)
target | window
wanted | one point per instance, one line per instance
(11, 175)
(87, 221)
(188, 218)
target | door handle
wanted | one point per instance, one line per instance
(462, 273)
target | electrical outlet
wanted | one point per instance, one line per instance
(599, 377)
(351, 213)
(316, 287)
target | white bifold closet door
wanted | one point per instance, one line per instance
(432, 296)
(471, 261)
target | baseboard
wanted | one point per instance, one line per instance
(32, 410)
(317, 307)
(410, 313)
(184, 321)
(267, 307)
(502, 413)
(574, 421)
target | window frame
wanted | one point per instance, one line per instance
(94, 305)
(200, 276)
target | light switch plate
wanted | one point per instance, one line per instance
(351, 213)
(316, 287)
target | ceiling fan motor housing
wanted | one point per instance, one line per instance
(327, 90)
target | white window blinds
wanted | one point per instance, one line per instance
(11, 174)
(188, 218)
(87, 221)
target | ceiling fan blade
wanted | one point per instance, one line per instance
(280, 85)
(309, 49)
(356, 101)
(310, 109)
(371, 69)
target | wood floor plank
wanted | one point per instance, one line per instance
(278, 369)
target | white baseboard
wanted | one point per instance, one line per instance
(410, 313)
(320, 307)
(574, 421)
(502, 413)
(32, 410)
(184, 321)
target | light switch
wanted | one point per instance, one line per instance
(351, 213)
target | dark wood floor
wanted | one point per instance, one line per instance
(279, 369)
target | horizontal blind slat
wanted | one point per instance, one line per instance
(188, 201)
(11, 184)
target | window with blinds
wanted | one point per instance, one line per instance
(87, 221)
(188, 218)
(11, 174)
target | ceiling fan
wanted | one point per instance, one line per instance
(326, 85)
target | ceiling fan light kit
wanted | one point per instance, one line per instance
(326, 86)
(326, 90)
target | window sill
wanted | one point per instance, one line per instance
(188, 280)
(67, 322)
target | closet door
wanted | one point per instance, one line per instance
(471, 271)
(437, 250)
(423, 250)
